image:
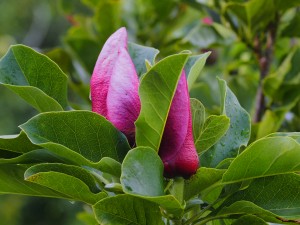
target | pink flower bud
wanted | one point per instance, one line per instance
(114, 85)
(207, 21)
(177, 149)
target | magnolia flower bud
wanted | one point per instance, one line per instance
(114, 85)
(177, 149)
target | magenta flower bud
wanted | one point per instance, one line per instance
(114, 85)
(177, 149)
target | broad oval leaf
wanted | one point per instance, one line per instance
(140, 54)
(213, 129)
(82, 137)
(35, 78)
(278, 194)
(204, 179)
(156, 91)
(125, 210)
(142, 172)
(142, 176)
(17, 143)
(194, 66)
(67, 185)
(71, 170)
(265, 157)
(238, 133)
(198, 117)
(249, 220)
(12, 182)
(34, 156)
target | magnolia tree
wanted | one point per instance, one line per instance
(147, 154)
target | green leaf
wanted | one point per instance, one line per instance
(34, 156)
(107, 18)
(87, 218)
(139, 54)
(294, 135)
(249, 220)
(142, 176)
(213, 129)
(60, 182)
(292, 29)
(246, 207)
(35, 78)
(142, 172)
(125, 210)
(156, 91)
(281, 5)
(109, 165)
(194, 66)
(198, 117)
(278, 194)
(82, 137)
(265, 157)
(84, 49)
(12, 182)
(202, 180)
(251, 13)
(71, 170)
(17, 143)
(238, 133)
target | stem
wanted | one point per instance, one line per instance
(191, 220)
(265, 58)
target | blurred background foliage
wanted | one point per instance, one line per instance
(254, 46)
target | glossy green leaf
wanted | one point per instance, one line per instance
(194, 66)
(17, 143)
(278, 194)
(125, 210)
(84, 50)
(82, 137)
(142, 172)
(265, 157)
(198, 117)
(202, 180)
(238, 133)
(139, 54)
(34, 156)
(156, 91)
(71, 170)
(213, 129)
(281, 5)
(294, 135)
(107, 18)
(35, 78)
(87, 218)
(142, 176)
(243, 207)
(12, 182)
(249, 220)
(250, 12)
(109, 165)
(67, 185)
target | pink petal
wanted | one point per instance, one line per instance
(123, 102)
(114, 84)
(177, 149)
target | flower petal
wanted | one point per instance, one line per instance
(177, 149)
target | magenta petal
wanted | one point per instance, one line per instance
(177, 149)
(123, 102)
(114, 84)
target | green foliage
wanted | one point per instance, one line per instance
(80, 156)
(156, 99)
